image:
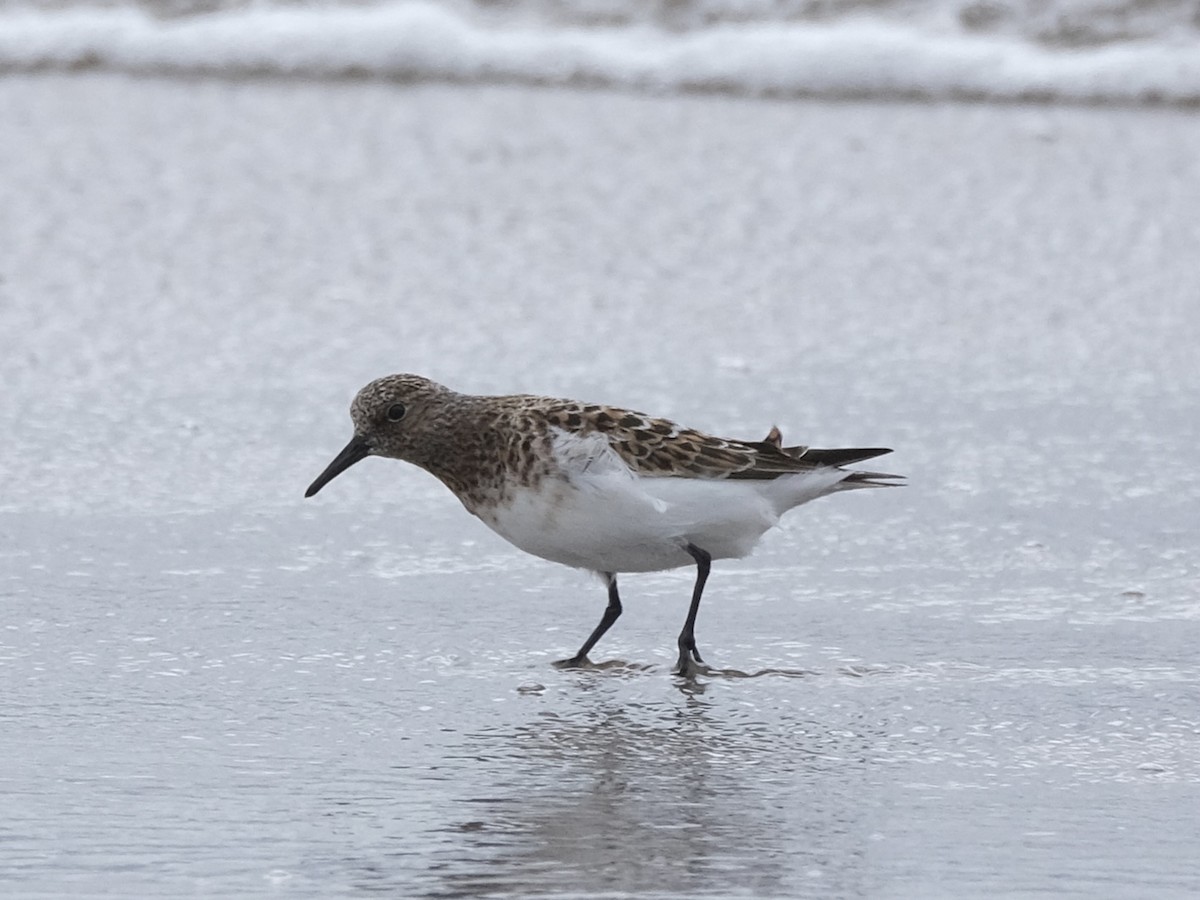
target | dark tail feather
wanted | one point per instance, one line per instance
(773, 443)
(838, 457)
(870, 479)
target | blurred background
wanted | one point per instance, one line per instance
(967, 231)
(1082, 50)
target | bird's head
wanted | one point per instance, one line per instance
(391, 417)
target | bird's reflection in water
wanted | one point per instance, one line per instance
(682, 793)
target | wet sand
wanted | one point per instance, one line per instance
(981, 685)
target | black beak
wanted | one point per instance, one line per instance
(354, 451)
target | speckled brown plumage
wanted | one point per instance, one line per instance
(482, 446)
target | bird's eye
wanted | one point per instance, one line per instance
(396, 412)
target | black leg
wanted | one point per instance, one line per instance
(611, 613)
(687, 637)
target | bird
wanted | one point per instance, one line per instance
(597, 487)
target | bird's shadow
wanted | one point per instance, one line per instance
(625, 667)
(621, 667)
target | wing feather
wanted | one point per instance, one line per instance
(660, 447)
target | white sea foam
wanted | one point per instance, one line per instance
(419, 40)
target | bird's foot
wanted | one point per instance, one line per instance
(689, 668)
(575, 662)
(689, 664)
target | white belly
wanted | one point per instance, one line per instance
(616, 522)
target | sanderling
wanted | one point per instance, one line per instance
(597, 487)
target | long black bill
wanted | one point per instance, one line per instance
(354, 451)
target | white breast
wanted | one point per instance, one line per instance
(599, 515)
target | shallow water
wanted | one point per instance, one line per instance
(983, 684)
(278, 708)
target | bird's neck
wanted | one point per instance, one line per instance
(481, 454)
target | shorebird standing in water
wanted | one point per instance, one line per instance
(597, 487)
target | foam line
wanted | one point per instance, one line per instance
(424, 41)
